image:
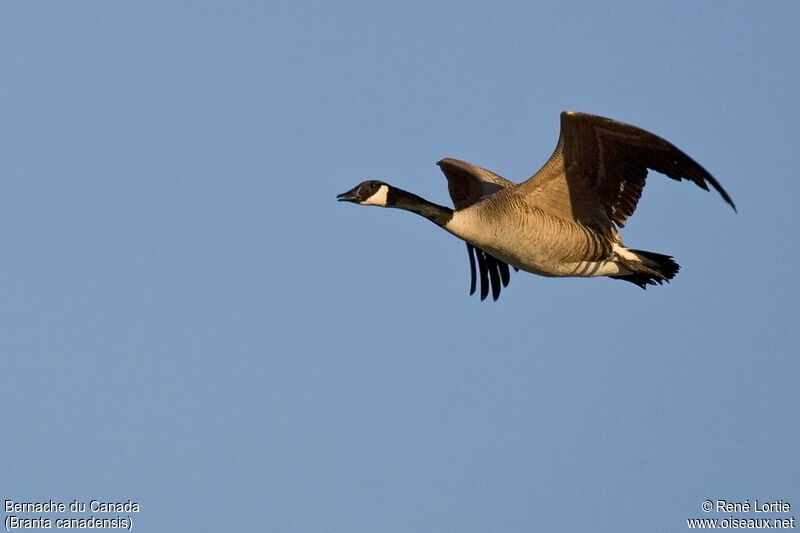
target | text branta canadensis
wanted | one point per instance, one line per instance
(563, 220)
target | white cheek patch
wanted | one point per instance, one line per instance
(379, 198)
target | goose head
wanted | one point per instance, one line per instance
(370, 192)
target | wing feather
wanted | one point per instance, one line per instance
(469, 184)
(599, 167)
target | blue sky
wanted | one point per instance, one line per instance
(191, 321)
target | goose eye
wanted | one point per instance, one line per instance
(370, 188)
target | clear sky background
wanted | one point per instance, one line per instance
(191, 321)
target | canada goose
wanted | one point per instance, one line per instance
(563, 220)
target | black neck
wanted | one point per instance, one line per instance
(401, 199)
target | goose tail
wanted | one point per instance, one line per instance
(647, 268)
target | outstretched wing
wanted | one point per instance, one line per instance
(469, 184)
(599, 167)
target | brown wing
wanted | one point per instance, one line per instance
(599, 167)
(468, 184)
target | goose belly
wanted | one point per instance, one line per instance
(547, 260)
(546, 245)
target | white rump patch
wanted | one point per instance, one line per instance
(627, 255)
(379, 198)
(624, 253)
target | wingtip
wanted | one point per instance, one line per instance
(722, 192)
(728, 199)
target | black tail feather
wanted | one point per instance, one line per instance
(658, 268)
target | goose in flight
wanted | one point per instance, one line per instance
(563, 220)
